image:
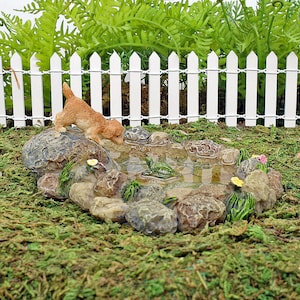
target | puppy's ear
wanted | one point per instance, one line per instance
(108, 132)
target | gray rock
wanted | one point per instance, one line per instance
(257, 183)
(105, 208)
(246, 167)
(46, 153)
(196, 210)
(151, 217)
(137, 135)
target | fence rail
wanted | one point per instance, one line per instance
(197, 103)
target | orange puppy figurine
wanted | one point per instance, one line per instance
(93, 124)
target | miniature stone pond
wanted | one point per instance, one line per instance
(152, 182)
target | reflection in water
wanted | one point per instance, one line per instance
(131, 160)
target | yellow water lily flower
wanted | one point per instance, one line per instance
(236, 181)
(92, 162)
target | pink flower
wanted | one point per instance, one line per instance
(263, 159)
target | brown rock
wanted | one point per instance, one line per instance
(275, 182)
(217, 191)
(229, 156)
(105, 208)
(48, 185)
(196, 210)
(109, 184)
(257, 183)
(82, 194)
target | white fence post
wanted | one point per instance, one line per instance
(271, 90)
(75, 75)
(212, 87)
(56, 85)
(18, 91)
(154, 72)
(231, 89)
(2, 98)
(115, 87)
(37, 99)
(96, 82)
(154, 89)
(251, 89)
(173, 88)
(192, 87)
(135, 90)
(291, 90)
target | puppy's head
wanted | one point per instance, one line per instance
(114, 131)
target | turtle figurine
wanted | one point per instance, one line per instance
(159, 169)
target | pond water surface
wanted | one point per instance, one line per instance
(130, 159)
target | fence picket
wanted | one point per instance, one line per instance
(271, 90)
(173, 88)
(115, 73)
(17, 91)
(231, 89)
(56, 85)
(192, 87)
(291, 90)
(154, 89)
(115, 87)
(96, 82)
(212, 87)
(3, 121)
(75, 75)
(36, 92)
(135, 89)
(251, 89)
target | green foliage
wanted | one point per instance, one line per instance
(129, 190)
(244, 155)
(239, 206)
(65, 178)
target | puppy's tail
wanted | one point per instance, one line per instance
(67, 91)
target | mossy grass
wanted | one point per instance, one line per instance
(51, 249)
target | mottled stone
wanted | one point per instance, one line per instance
(275, 182)
(257, 183)
(160, 138)
(47, 153)
(217, 191)
(105, 208)
(246, 167)
(151, 217)
(179, 193)
(48, 185)
(229, 156)
(137, 135)
(82, 194)
(154, 192)
(197, 210)
(109, 184)
(203, 148)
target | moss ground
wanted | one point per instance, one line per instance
(52, 250)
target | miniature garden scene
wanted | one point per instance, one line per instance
(172, 210)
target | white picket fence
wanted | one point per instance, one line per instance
(134, 75)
